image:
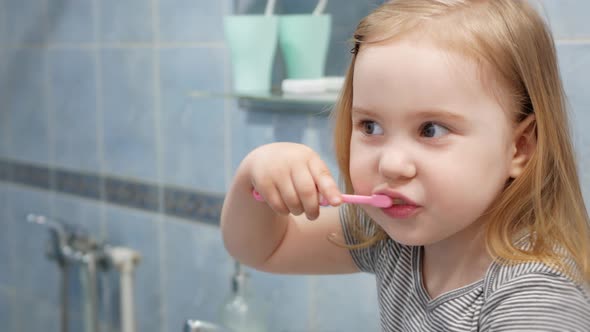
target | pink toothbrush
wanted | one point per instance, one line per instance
(381, 201)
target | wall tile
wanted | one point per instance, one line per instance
(248, 131)
(37, 316)
(374, 3)
(197, 271)
(27, 24)
(7, 241)
(70, 21)
(2, 24)
(319, 137)
(575, 68)
(23, 96)
(348, 16)
(191, 20)
(339, 51)
(297, 7)
(5, 131)
(76, 183)
(76, 323)
(4, 134)
(73, 114)
(568, 18)
(80, 212)
(139, 231)
(7, 313)
(194, 146)
(128, 21)
(290, 127)
(285, 298)
(351, 296)
(193, 128)
(128, 111)
(253, 7)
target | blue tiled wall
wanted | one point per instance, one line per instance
(103, 87)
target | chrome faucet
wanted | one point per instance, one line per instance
(59, 247)
(70, 245)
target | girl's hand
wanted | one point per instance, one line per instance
(290, 177)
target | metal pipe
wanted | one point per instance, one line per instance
(59, 243)
(69, 246)
(64, 294)
(90, 290)
(125, 260)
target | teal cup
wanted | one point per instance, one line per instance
(252, 41)
(304, 41)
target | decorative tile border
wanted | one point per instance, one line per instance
(141, 196)
(31, 175)
(182, 203)
(88, 186)
(5, 171)
(186, 204)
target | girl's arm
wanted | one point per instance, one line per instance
(266, 235)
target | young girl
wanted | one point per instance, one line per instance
(455, 110)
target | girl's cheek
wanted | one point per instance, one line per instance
(360, 180)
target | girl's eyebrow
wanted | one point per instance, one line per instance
(363, 111)
(440, 113)
(421, 114)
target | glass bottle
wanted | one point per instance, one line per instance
(240, 312)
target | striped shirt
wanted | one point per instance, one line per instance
(524, 297)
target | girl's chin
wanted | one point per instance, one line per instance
(409, 241)
(408, 236)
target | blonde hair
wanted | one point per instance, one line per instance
(510, 38)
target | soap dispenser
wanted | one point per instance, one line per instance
(240, 312)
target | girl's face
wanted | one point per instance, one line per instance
(426, 127)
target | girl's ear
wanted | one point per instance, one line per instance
(524, 144)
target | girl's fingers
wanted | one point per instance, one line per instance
(272, 196)
(307, 191)
(297, 187)
(290, 196)
(324, 181)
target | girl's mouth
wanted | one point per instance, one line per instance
(401, 211)
(402, 207)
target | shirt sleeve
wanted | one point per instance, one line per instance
(366, 258)
(540, 303)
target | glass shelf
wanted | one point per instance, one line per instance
(277, 100)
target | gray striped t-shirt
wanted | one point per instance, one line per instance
(525, 297)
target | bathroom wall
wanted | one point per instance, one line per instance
(98, 128)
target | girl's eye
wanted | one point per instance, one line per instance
(371, 127)
(433, 130)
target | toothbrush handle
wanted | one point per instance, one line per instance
(357, 199)
(257, 196)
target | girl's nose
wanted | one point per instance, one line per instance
(396, 164)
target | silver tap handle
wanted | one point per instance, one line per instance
(53, 225)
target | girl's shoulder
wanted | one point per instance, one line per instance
(505, 276)
(535, 296)
(535, 287)
(533, 273)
